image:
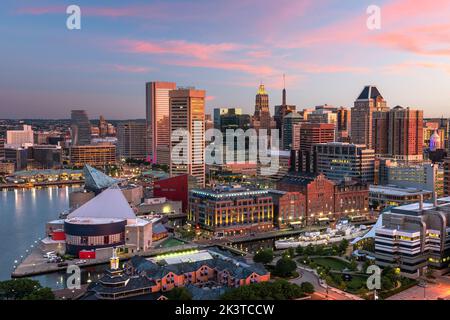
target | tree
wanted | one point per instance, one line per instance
(264, 256)
(309, 250)
(353, 265)
(277, 290)
(25, 289)
(289, 253)
(343, 246)
(178, 293)
(307, 287)
(299, 250)
(41, 294)
(285, 267)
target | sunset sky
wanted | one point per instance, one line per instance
(226, 47)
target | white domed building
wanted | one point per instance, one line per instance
(435, 141)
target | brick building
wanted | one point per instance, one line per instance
(323, 200)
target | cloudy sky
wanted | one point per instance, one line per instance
(226, 47)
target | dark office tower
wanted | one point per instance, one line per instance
(369, 101)
(230, 118)
(289, 122)
(103, 127)
(132, 140)
(282, 110)
(157, 113)
(343, 124)
(447, 177)
(261, 117)
(2, 148)
(380, 133)
(81, 128)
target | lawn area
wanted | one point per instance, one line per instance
(171, 243)
(356, 283)
(332, 263)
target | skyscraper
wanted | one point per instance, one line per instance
(343, 124)
(81, 128)
(282, 110)
(369, 101)
(103, 127)
(289, 122)
(132, 140)
(398, 133)
(447, 177)
(187, 112)
(157, 113)
(307, 135)
(261, 117)
(406, 133)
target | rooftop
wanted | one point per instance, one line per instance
(222, 192)
(111, 203)
(369, 92)
(96, 180)
(397, 191)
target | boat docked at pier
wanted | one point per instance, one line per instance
(342, 231)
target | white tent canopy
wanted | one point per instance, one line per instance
(110, 204)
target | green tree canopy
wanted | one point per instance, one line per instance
(307, 287)
(277, 290)
(285, 267)
(263, 256)
(25, 289)
(179, 293)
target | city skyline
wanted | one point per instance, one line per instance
(324, 47)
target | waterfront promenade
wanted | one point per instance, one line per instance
(36, 264)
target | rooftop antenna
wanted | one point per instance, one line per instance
(284, 90)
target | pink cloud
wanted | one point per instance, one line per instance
(411, 65)
(406, 25)
(130, 69)
(178, 47)
(224, 56)
(210, 98)
(41, 10)
(247, 67)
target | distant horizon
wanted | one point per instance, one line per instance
(324, 47)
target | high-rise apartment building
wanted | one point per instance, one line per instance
(187, 112)
(369, 101)
(304, 137)
(20, 137)
(447, 177)
(132, 140)
(406, 133)
(158, 113)
(398, 133)
(81, 128)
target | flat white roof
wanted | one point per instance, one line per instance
(175, 258)
(83, 220)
